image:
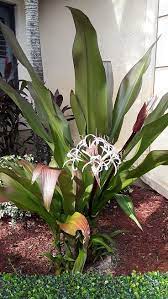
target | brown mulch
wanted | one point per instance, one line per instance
(21, 246)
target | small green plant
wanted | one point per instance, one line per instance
(82, 178)
(8, 209)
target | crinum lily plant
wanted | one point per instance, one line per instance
(82, 178)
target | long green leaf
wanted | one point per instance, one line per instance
(159, 110)
(43, 96)
(153, 160)
(110, 88)
(66, 186)
(58, 124)
(39, 109)
(126, 205)
(7, 174)
(128, 92)
(100, 240)
(85, 198)
(154, 115)
(64, 125)
(145, 138)
(51, 112)
(78, 114)
(16, 48)
(20, 55)
(90, 78)
(127, 177)
(22, 194)
(27, 111)
(80, 261)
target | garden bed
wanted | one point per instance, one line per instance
(22, 245)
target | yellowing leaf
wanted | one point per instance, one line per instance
(74, 223)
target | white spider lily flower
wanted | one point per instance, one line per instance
(95, 152)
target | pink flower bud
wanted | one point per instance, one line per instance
(140, 118)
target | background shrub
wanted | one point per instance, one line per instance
(8, 209)
(88, 286)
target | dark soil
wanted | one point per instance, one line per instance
(22, 245)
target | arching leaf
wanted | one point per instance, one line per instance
(74, 223)
(128, 92)
(48, 178)
(90, 77)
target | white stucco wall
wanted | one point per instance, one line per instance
(125, 29)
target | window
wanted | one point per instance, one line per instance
(161, 70)
(3, 46)
(7, 17)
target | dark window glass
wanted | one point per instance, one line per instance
(7, 17)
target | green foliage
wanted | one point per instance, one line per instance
(103, 244)
(93, 286)
(58, 134)
(126, 205)
(9, 210)
(90, 78)
(11, 117)
(80, 261)
(81, 179)
(128, 92)
(6, 161)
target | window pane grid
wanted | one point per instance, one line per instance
(163, 7)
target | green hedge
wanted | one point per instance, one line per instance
(90, 286)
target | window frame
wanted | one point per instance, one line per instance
(157, 67)
(11, 10)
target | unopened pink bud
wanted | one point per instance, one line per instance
(140, 118)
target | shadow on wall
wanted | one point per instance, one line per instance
(119, 25)
(121, 35)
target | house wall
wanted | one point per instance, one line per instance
(20, 30)
(125, 29)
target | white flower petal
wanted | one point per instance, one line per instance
(95, 152)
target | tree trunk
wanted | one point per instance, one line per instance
(35, 58)
(33, 35)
